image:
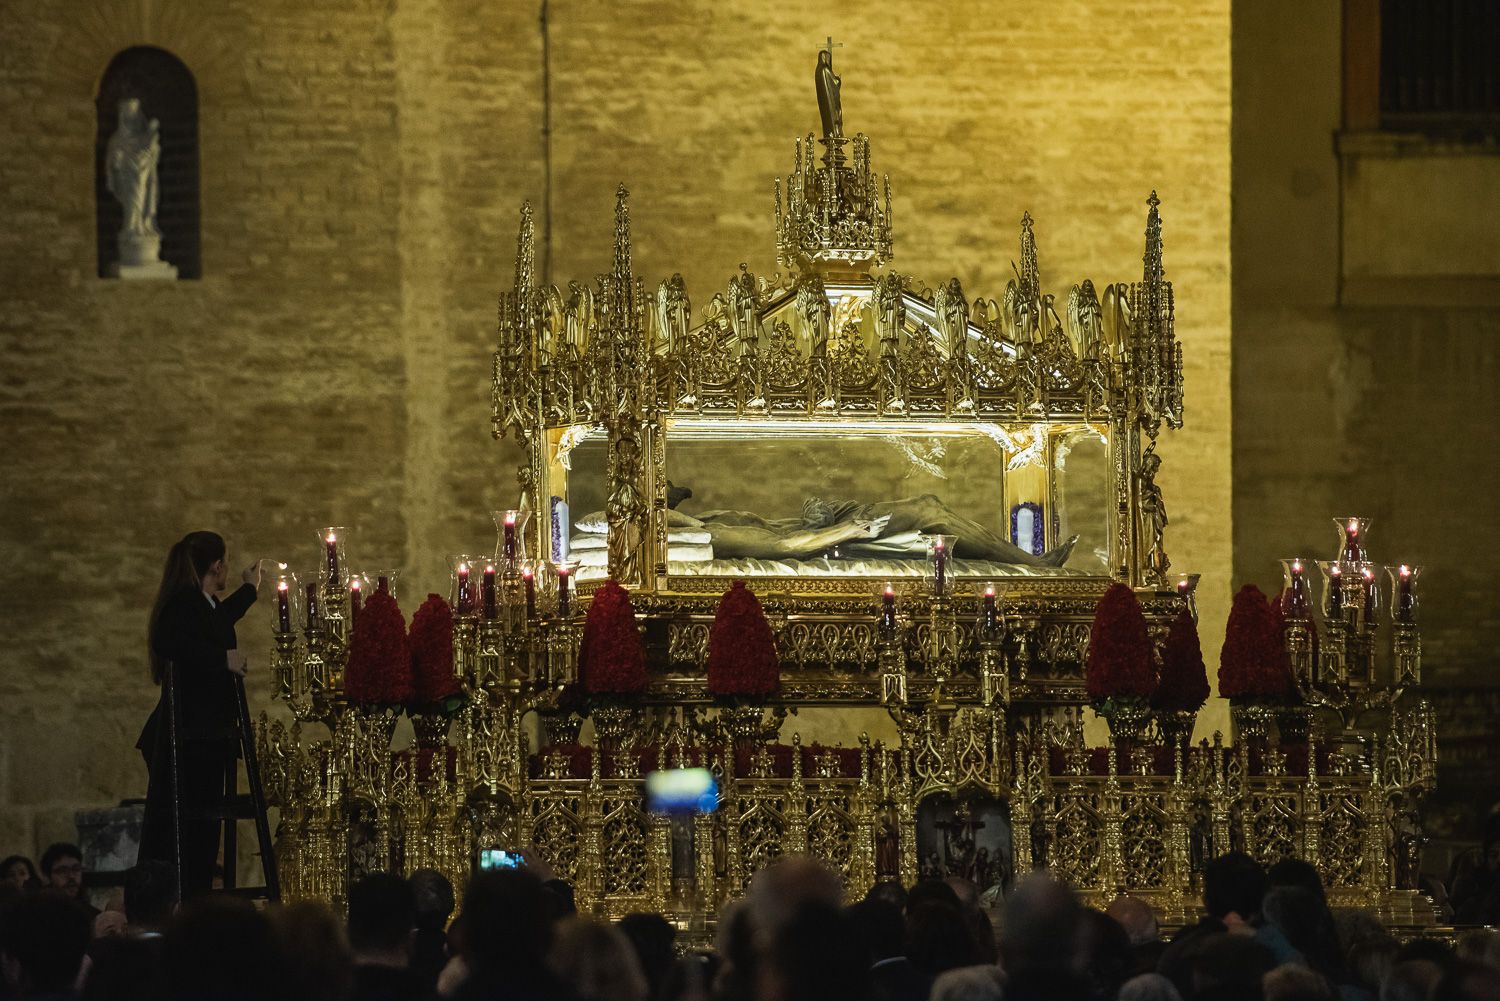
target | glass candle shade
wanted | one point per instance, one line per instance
(463, 583)
(1352, 531)
(356, 597)
(510, 538)
(564, 590)
(381, 580)
(888, 611)
(334, 556)
(1403, 585)
(940, 556)
(1296, 600)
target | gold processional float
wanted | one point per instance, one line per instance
(850, 440)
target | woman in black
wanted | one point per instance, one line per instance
(192, 632)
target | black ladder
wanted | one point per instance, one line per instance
(248, 806)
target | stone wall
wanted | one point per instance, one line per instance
(362, 165)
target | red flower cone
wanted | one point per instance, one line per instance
(1184, 680)
(612, 660)
(431, 643)
(741, 647)
(379, 667)
(1119, 664)
(1252, 663)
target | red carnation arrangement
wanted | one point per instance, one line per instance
(1184, 680)
(741, 647)
(431, 644)
(1253, 661)
(613, 659)
(1119, 664)
(379, 668)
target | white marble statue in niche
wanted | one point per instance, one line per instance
(130, 161)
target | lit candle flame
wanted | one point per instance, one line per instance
(1334, 571)
(989, 591)
(463, 568)
(1405, 570)
(1353, 526)
(890, 591)
(1296, 566)
(332, 538)
(527, 573)
(1368, 573)
(354, 584)
(281, 585)
(489, 568)
(510, 517)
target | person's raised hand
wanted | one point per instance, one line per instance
(237, 662)
(251, 575)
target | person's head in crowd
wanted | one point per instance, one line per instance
(969, 983)
(19, 872)
(879, 925)
(43, 938)
(111, 924)
(890, 891)
(781, 888)
(1411, 980)
(382, 920)
(814, 955)
(315, 961)
(1430, 949)
(597, 961)
(929, 891)
(651, 936)
(1291, 982)
(62, 869)
(124, 969)
(1104, 958)
(1230, 968)
(1149, 987)
(1353, 925)
(691, 978)
(1041, 926)
(1370, 960)
(938, 939)
(150, 895)
(966, 892)
(1479, 945)
(507, 924)
(221, 948)
(1300, 916)
(1234, 884)
(1137, 918)
(1297, 872)
(1466, 981)
(433, 894)
(735, 945)
(558, 895)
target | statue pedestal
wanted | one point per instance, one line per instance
(140, 258)
(156, 269)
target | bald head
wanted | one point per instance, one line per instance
(1041, 924)
(1136, 917)
(782, 888)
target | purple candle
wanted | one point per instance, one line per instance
(283, 608)
(312, 604)
(1353, 552)
(1406, 603)
(888, 611)
(530, 579)
(991, 615)
(487, 592)
(1297, 593)
(939, 568)
(356, 600)
(465, 599)
(1369, 584)
(562, 592)
(1335, 591)
(332, 546)
(510, 535)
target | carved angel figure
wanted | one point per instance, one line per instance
(1085, 320)
(673, 311)
(743, 302)
(952, 315)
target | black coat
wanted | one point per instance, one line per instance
(195, 636)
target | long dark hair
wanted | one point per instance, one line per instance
(187, 561)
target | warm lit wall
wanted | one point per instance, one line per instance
(362, 166)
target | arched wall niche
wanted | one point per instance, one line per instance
(167, 92)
